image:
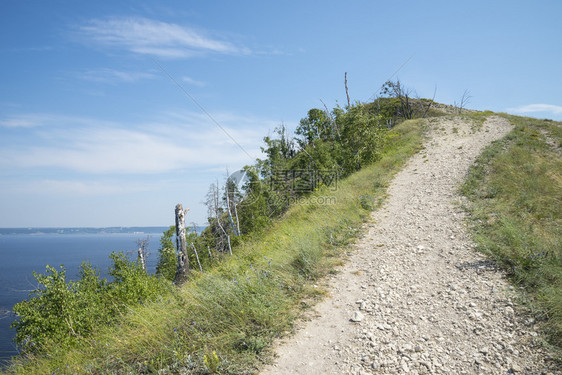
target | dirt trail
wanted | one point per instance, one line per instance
(414, 296)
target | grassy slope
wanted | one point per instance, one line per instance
(237, 310)
(515, 189)
(240, 307)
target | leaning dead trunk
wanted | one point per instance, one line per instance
(182, 271)
(197, 257)
(141, 252)
(234, 227)
(142, 260)
(347, 92)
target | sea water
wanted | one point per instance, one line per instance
(21, 254)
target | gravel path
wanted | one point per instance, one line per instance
(414, 296)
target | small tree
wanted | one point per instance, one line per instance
(317, 125)
(253, 209)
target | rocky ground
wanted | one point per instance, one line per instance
(414, 296)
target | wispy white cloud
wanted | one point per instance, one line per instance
(193, 82)
(156, 38)
(104, 151)
(83, 187)
(114, 76)
(22, 121)
(531, 108)
(34, 120)
(173, 143)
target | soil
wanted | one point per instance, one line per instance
(415, 297)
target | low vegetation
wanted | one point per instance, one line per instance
(515, 193)
(64, 313)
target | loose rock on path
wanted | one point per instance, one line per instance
(414, 296)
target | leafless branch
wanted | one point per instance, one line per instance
(465, 99)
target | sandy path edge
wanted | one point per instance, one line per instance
(426, 302)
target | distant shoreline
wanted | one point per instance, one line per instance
(86, 230)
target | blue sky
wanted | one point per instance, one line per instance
(94, 130)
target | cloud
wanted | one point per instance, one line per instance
(178, 142)
(106, 151)
(80, 187)
(155, 38)
(22, 121)
(193, 82)
(530, 108)
(35, 120)
(113, 76)
(121, 151)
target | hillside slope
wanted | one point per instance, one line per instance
(415, 297)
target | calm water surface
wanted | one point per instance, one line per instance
(21, 254)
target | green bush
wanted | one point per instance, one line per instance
(48, 316)
(62, 313)
(132, 285)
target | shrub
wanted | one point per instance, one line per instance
(61, 312)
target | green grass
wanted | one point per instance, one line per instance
(515, 190)
(237, 309)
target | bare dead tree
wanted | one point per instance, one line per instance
(216, 212)
(404, 96)
(142, 254)
(397, 90)
(194, 229)
(465, 99)
(194, 226)
(217, 206)
(231, 202)
(182, 271)
(229, 245)
(425, 109)
(231, 198)
(236, 215)
(196, 256)
(347, 92)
